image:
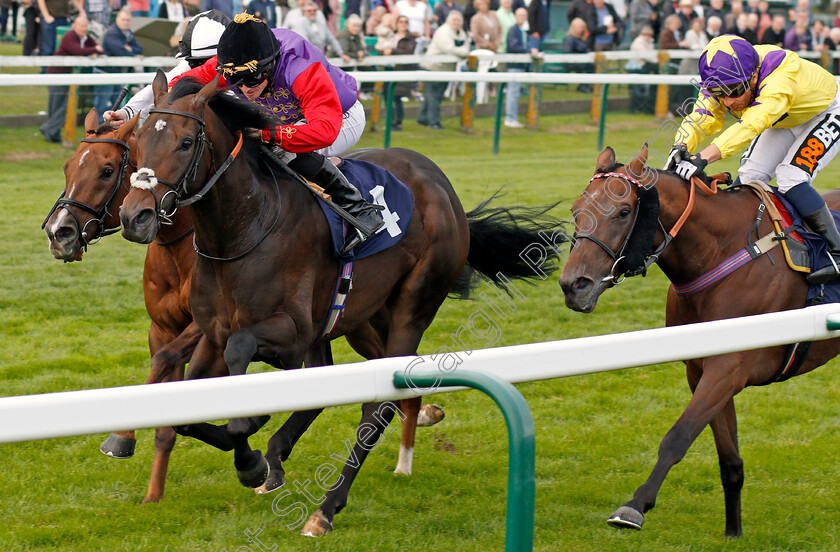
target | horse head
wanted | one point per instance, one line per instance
(172, 159)
(616, 221)
(96, 178)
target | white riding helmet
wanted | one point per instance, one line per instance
(201, 37)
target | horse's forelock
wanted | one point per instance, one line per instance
(104, 128)
(611, 168)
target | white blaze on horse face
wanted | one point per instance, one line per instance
(58, 221)
(144, 179)
(160, 125)
(82, 158)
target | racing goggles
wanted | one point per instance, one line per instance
(251, 80)
(729, 91)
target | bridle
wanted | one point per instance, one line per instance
(99, 215)
(179, 189)
(620, 254)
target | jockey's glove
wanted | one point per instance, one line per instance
(691, 166)
(677, 154)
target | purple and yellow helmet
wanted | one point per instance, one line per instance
(727, 62)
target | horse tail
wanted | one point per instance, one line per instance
(502, 240)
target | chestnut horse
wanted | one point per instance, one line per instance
(96, 182)
(618, 219)
(265, 275)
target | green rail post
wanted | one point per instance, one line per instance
(389, 104)
(497, 126)
(602, 117)
(519, 532)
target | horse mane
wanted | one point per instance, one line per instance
(235, 113)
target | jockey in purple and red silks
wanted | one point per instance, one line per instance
(315, 102)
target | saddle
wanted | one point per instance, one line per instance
(779, 211)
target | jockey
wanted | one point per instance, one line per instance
(198, 44)
(788, 112)
(315, 103)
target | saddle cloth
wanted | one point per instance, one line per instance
(817, 251)
(378, 186)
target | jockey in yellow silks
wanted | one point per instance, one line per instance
(788, 113)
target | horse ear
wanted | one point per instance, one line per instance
(159, 86)
(91, 120)
(605, 159)
(125, 131)
(208, 91)
(636, 168)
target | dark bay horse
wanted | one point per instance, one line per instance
(96, 182)
(606, 215)
(265, 275)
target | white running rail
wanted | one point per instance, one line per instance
(72, 413)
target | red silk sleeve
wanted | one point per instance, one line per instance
(203, 74)
(322, 109)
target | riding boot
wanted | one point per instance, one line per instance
(821, 222)
(346, 196)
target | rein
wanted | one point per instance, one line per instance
(179, 189)
(98, 214)
(620, 255)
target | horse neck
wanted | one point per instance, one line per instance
(242, 207)
(706, 238)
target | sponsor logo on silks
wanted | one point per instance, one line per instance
(816, 143)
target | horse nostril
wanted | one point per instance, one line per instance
(144, 218)
(581, 284)
(65, 234)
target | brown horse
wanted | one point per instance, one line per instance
(623, 212)
(96, 182)
(265, 275)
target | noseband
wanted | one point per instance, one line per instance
(98, 214)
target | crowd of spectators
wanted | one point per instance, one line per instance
(404, 27)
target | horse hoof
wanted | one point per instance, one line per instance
(276, 479)
(317, 525)
(626, 518)
(116, 446)
(429, 415)
(255, 476)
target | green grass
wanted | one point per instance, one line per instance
(83, 325)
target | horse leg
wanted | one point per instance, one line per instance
(205, 363)
(165, 359)
(375, 418)
(715, 388)
(725, 429)
(281, 443)
(277, 338)
(410, 408)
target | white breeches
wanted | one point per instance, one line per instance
(794, 155)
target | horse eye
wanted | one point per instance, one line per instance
(107, 172)
(624, 213)
(186, 143)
